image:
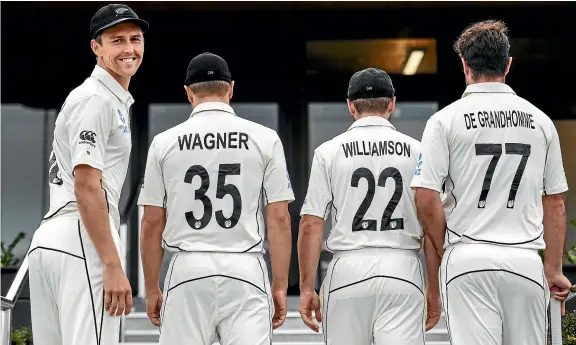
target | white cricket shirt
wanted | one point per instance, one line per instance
(495, 154)
(212, 173)
(92, 128)
(362, 177)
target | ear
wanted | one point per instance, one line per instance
(465, 67)
(392, 105)
(351, 107)
(95, 47)
(189, 94)
(508, 66)
(231, 91)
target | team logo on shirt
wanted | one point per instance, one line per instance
(288, 178)
(121, 116)
(418, 165)
(88, 137)
(125, 128)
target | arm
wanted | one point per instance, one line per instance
(89, 123)
(554, 219)
(431, 215)
(280, 243)
(429, 176)
(314, 213)
(554, 232)
(278, 192)
(433, 261)
(94, 213)
(153, 223)
(152, 198)
(433, 303)
(309, 250)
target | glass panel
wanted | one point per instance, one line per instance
(167, 115)
(24, 169)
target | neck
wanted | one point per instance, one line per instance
(124, 81)
(383, 115)
(487, 79)
(210, 99)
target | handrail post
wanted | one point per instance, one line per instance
(6, 322)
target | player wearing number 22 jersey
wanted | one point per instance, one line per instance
(498, 159)
(208, 179)
(374, 286)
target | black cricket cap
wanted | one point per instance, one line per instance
(207, 67)
(113, 14)
(370, 83)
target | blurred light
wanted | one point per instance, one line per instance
(413, 62)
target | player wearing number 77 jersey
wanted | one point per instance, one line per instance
(374, 289)
(205, 182)
(498, 159)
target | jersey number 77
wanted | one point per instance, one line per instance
(495, 150)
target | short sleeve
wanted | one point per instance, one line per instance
(277, 185)
(319, 194)
(433, 159)
(153, 192)
(554, 175)
(89, 127)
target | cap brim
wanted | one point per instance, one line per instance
(140, 22)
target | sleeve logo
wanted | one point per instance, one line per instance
(418, 165)
(88, 137)
(54, 174)
(288, 178)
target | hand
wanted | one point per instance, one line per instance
(562, 283)
(433, 310)
(280, 309)
(309, 301)
(154, 305)
(117, 291)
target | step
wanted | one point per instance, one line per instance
(279, 335)
(139, 320)
(292, 343)
(138, 328)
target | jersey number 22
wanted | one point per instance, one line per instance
(388, 223)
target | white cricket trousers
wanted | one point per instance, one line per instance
(374, 296)
(216, 295)
(66, 286)
(494, 295)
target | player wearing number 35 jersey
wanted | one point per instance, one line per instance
(498, 159)
(205, 184)
(374, 288)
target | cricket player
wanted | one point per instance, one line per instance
(205, 185)
(78, 288)
(498, 159)
(374, 291)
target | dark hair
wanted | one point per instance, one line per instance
(485, 48)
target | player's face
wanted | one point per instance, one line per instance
(122, 49)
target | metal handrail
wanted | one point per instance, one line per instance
(10, 299)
